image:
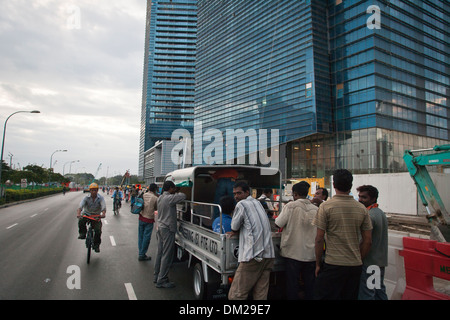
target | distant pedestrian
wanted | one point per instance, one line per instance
(297, 242)
(343, 220)
(266, 200)
(167, 226)
(320, 196)
(378, 254)
(133, 194)
(256, 252)
(146, 221)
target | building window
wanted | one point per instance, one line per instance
(340, 90)
(308, 92)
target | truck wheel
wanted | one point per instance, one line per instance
(199, 284)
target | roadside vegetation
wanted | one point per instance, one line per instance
(35, 181)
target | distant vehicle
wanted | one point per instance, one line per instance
(86, 189)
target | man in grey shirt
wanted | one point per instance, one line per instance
(167, 226)
(94, 204)
(377, 258)
(256, 251)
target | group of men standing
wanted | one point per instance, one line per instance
(327, 245)
(330, 246)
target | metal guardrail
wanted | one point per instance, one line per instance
(201, 216)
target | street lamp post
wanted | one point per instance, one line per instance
(70, 166)
(53, 154)
(64, 166)
(4, 133)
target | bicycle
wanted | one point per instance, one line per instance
(90, 235)
(116, 206)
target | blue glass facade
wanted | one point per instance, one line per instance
(260, 65)
(395, 77)
(346, 86)
(169, 72)
(390, 84)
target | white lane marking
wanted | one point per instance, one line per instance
(104, 220)
(11, 226)
(34, 215)
(45, 209)
(113, 242)
(130, 291)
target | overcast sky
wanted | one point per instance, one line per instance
(80, 63)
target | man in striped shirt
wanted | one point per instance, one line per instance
(256, 251)
(344, 221)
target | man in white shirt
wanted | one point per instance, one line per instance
(297, 241)
(266, 200)
(256, 251)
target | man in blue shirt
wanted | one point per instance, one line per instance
(227, 203)
(117, 194)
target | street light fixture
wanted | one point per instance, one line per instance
(64, 166)
(70, 166)
(53, 154)
(4, 133)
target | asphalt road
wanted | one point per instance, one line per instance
(42, 259)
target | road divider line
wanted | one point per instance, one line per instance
(130, 291)
(105, 221)
(11, 226)
(113, 242)
(34, 215)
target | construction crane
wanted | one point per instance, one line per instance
(126, 175)
(438, 216)
(96, 172)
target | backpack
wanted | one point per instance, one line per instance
(137, 207)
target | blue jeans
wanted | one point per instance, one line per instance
(371, 294)
(144, 235)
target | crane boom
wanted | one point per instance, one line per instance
(126, 175)
(439, 219)
(96, 172)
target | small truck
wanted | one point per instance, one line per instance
(213, 256)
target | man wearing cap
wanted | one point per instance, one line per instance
(93, 204)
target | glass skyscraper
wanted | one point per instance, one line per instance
(349, 84)
(258, 64)
(169, 72)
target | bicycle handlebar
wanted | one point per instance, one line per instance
(92, 217)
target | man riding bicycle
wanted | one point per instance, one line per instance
(93, 204)
(117, 197)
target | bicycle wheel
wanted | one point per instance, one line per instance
(89, 243)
